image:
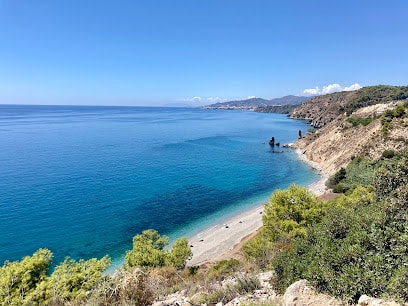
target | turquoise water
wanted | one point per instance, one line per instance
(82, 181)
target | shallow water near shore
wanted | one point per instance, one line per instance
(82, 181)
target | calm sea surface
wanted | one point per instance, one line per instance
(82, 181)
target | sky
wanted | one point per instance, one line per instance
(161, 52)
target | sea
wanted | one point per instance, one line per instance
(83, 180)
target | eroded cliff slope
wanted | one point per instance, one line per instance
(360, 132)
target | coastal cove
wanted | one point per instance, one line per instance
(82, 181)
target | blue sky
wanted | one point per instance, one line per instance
(156, 52)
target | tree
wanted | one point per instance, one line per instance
(20, 280)
(71, 280)
(289, 212)
(287, 215)
(180, 253)
(148, 251)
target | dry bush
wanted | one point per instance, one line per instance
(125, 287)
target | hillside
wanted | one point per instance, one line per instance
(323, 109)
(277, 109)
(350, 130)
(253, 103)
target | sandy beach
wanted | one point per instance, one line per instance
(222, 240)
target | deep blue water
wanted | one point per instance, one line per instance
(82, 181)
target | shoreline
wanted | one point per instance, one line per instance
(224, 240)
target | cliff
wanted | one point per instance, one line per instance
(322, 110)
(360, 134)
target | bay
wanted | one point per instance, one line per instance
(83, 180)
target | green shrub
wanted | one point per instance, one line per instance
(359, 247)
(180, 253)
(372, 95)
(72, 280)
(392, 174)
(360, 171)
(361, 121)
(399, 111)
(389, 115)
(148, 251)
(25, 282)
(340, 188)
(388, 154)
(289, 212)
(334, 255)
(336, 178)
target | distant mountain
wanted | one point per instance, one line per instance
(254, 103)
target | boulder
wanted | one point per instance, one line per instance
(365, 300)
(301, 293)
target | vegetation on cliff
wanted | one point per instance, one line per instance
(367, 132)
(323, 109)
(29, 281)
(360, 245)
(277, 109)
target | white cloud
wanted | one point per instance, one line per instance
(250, 97)
(331, 88)
(352, 87)
(311, 91)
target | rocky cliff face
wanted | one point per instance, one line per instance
(323, 109)
(334, 145)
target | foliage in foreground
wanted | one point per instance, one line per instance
(26, 282)
(361, 244)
